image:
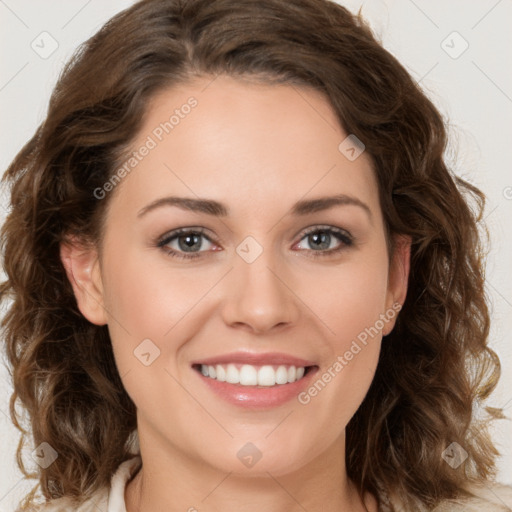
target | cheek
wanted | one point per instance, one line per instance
(133, 299)
(144, 293)
(354, 296)
(352, 307)
(143, 304)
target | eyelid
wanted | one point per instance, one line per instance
(344, 237)
(174, 233)
(164, 240)
(325, 227)
(203, 231)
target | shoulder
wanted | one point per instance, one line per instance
(485, 497)
(107, 499)
(96, 503)
(490, 497)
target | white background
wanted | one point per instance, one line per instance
(474, 92)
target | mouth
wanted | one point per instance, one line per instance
(256, 381)
(249, 375)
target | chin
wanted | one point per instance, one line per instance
(259, 458)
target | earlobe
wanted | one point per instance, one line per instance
(82, 269)
(399, 269)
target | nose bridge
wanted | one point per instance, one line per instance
(257, 295)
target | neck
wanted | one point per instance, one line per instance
(173, 481)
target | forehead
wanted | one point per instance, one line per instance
(256, 146)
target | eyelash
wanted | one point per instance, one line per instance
(342, 235)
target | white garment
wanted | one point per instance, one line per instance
(105, 500)
(492, 497)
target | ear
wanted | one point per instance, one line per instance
(397, 279)
(82, 267)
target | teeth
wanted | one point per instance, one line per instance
(232, 374)
(249, 375)
(221, 373)
(266, 376)
(282, 375)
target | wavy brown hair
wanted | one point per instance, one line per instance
(435, 367)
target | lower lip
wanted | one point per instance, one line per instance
(258, 397)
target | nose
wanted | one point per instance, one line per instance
(258, 297)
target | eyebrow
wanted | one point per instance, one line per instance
(212, 207)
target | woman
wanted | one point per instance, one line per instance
(243, 276)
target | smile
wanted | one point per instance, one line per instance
(253, 375)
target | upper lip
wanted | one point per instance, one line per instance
(266, 358)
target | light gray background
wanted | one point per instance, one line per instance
(473, 90)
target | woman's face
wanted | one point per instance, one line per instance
(277, 281)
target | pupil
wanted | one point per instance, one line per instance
(321, 237)
(190, 240)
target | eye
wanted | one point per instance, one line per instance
(321, 238)
(186, 243)
(189, 242)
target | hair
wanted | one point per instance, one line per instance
(435, 367)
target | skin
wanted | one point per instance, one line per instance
(258, 149)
